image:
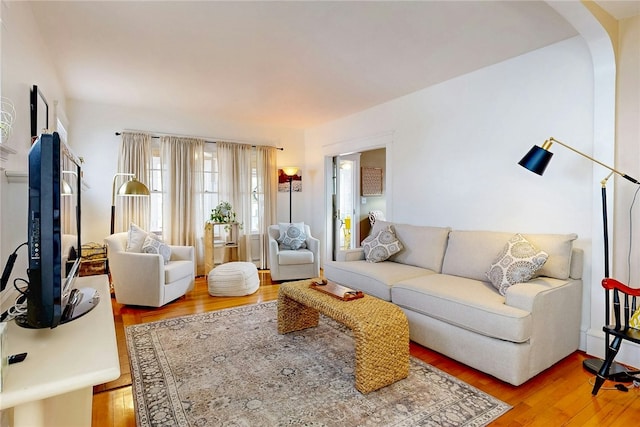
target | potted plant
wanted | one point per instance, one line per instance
(224, 214)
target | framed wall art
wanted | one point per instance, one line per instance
(371, 181)
(283, 181)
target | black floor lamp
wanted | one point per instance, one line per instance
(290, 171)
(130, 188)
(536, 160)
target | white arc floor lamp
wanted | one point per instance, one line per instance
(536, 160)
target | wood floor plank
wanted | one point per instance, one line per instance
(559, 396)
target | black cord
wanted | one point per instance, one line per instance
(9, 267)
(631, 234)
(5, 278)
(24, 291)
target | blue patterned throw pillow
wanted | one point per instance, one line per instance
(153, 245)
(381, 246)
(292, 236)
(517, 263)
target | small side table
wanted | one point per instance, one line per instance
(220, 237)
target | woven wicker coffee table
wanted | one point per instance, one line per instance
(380, 330)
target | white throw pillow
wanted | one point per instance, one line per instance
(381, 246)
(292, 236)
(518, 261)
(135, 238)
(153, 245)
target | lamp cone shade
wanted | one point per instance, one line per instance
(536, 160)
(133, 187)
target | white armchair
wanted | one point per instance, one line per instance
(286, 264)
(143, 278)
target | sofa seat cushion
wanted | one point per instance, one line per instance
(300, 256)
(373, 279)
(470, 304)
(176, 270)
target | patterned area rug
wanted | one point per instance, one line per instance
(231, 368)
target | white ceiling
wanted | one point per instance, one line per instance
(293, 64)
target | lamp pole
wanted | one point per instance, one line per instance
(132, 187)
(290, 172)
(113, 199)
(290, 197)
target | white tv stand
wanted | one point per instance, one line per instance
(53, 386)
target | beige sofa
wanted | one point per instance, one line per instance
(439, 280)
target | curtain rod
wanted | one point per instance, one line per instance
(208, 142)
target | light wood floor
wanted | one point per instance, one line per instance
(557, 397)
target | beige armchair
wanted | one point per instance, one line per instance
(286, 264)
(143, 278)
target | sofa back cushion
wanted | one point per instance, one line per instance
(470, 253)
(423, 246)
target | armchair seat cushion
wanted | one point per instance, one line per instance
(175, 270)
(300, 256)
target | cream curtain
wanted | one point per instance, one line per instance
(134, 157)
(182, 164)
(267, 173)
(235, 186)
(234, 181)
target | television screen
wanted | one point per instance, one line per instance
(54, 244)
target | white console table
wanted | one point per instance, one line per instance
(53, 386)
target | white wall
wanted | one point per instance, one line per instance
(455, 146)
(92, 136)
(626, 242)
(25, 62)
(452, 149)
(628, 152)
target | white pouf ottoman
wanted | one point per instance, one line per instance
(233, 279)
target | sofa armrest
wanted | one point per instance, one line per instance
(274, 250)
(313, 244)
(356, 254)
(182, 253)
(525, 295)
(556, 312)
(133, 272)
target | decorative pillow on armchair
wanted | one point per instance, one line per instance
(153, 245)
(135, 238)
(381, 246)
(517, 263)
(292, 236)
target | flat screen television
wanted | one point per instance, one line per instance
(54, 245)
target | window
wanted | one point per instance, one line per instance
(155, 188)
(210, 199)
(211, 190)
